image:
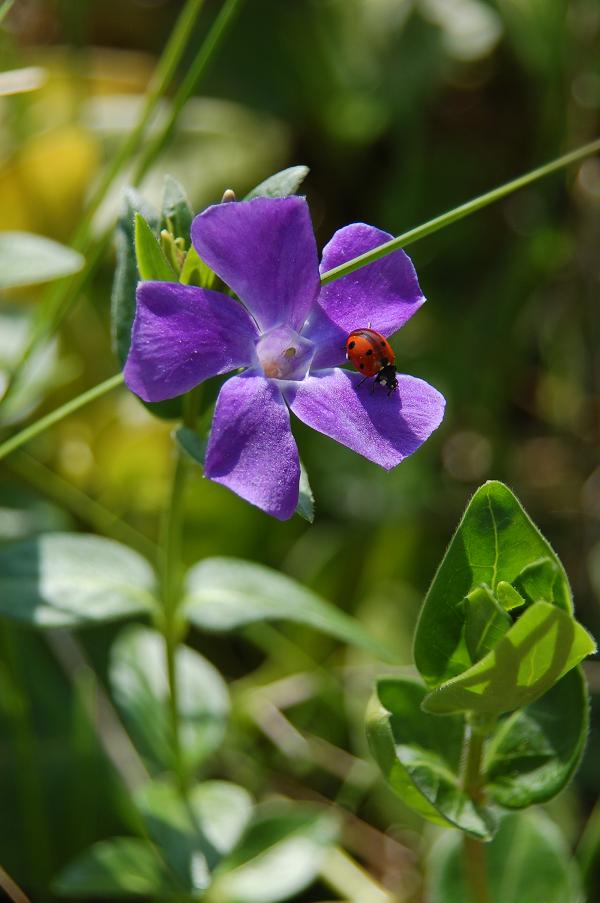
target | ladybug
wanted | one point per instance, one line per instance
(372, 355)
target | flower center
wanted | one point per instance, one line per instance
(284, 354)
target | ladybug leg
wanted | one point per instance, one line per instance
(364, 379)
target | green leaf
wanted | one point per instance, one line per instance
(527, 861)
(120, 867)
(494, 542)
(35, 379)
(140, 687)
(544, 644)
(539, 581)
(508, 597)
(281, 184)
(486, 622)
(176, 211)
(280, 854)
(123, 302)
(195, 271)
(73, 580)
(419, 755)
(534, 752)
(227, 593)
(306, 500)
(195, 835)
(126, 272)
(27, 259)
(151, 261)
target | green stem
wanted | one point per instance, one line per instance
(63, 295)
(161, 79)
(44, 423)
(87, 509)
(190, 82)
(472, 782)
(171, 584)
(439, 222)
(350, 266)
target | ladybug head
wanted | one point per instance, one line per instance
(387, 377)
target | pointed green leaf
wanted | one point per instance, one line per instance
(126, 272)
(526, 862)
(544, 644)
(486, 622)
(151, 261)
(534, 752)
(176, 211)
(539, 582)
(227, 593)
(281, 184)
(195, 271)
(27, 259)
(73, 580)
(120, 867)
(140, 687)
(508, 597)
(195, 835)
(494, 542)
(123, 302)
(280, 854)
(419, 755)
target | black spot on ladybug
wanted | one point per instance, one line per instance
(382, 344)
(362, 366)
(370, 351)
(351, 345)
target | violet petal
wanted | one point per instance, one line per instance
(251, 449)
(385, 429)
(265, 250)
(183, 335)
(384, 294)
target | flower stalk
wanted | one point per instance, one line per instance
(472, 782)
(169, 624)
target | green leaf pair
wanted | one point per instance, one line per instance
(529, 756)
(496, 636)
(77, 580)
(217, 847)
(467, 647)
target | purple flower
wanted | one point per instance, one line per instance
(289, 334)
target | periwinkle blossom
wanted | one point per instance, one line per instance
(288, 333)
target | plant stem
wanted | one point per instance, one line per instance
(445, 219)
(161, 79)
(214, 37)
(170, 570)
(34, 429)
(87, 509)
(472, 782)
(336, 273)
(63, 295)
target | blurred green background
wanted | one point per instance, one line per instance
(402, 110)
